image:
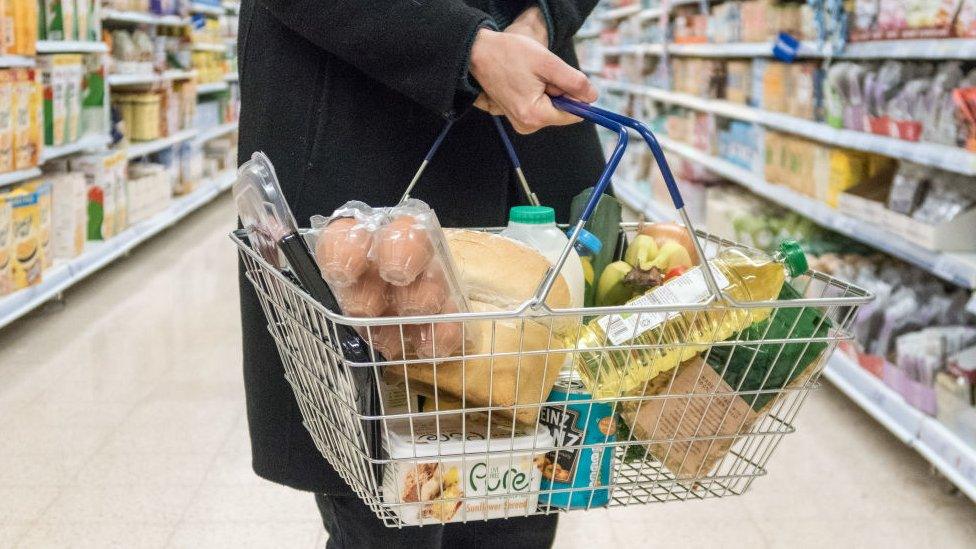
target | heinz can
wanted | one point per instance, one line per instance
(579, 467)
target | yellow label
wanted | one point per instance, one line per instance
(27, 261)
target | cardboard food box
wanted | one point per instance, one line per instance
(699, 423)
(69, 209)
(6, 246)
(74, 72)
(42, 188)
(59, 19)
(7, 88)
(439, 462)
(28, 261)
(24, 147)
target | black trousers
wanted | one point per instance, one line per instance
(351, 525)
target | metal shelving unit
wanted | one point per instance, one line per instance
(141, 18)
(211, 87)
(10, 178)
(87, 143)
(70, 46)
(99, 254)
(140, 149)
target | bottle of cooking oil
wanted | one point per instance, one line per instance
(621, 354)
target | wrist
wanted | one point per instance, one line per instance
(481, 50)
(532, 23)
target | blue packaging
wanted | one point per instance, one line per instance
(583, 432)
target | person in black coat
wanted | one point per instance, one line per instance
(345, 97)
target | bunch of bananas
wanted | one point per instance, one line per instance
(645, 265)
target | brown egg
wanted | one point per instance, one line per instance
(424, 296)
(403, 249)
(445, 336)
(366, 297)
(384, 340)
(341, 251)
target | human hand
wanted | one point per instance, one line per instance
(531, 23)
(518, 74)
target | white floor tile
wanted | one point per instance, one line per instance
(242, 535)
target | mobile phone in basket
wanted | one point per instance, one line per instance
(275, 236)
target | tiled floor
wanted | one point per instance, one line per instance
(121, 421)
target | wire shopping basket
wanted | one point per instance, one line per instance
(692, 409)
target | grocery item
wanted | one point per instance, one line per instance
(392, 262)
(105, 188)
(492, 466)
(6, 246)
(653, 252)
(575, 474)
(74, 72)
(744, 274)
(588, 247)
(28, 260)
(42, 188)
(697, 422)
(24, 148)
(69, 207)
(59, 19)
(7, 107)
(604, 224)
(761, 371)
(536, 226)
(499, 274)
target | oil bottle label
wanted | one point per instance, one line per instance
(687, 289)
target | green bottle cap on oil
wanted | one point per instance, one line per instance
(793, 257)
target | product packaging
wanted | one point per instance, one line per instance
(392, 262)
(24, 152)
(59, 19)
(42, 188)
(69, 207)
(105, 189)
(492, 465)
(7, 106)
(28, 260)
(6, 246)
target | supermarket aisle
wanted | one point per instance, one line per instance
(122, 421)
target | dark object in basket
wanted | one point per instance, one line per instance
(746, 367)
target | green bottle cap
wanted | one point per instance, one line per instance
(793, 256)
(532, 215)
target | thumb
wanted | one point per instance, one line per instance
(557, 74)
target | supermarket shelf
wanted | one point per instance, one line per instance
(232, 77)
(8, 61)
(587, 33)
(211, 87)
(142, 18)
(654, 13)
(10, 178)
(618, 13)
(203, 46)
(942, 448)
(87, 143)
(215, 132)
(628, 193)
(953, 48)
(140, 149)
(232, 7)
(70, 46)
(207, 9)
(100, 254)
(953, 159)
(148, 79)
(958, 268)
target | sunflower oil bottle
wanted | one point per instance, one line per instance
(745, 275)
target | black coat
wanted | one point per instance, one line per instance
(345, 97)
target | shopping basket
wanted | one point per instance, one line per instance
(694, 431)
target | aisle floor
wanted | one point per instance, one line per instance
(122, 424)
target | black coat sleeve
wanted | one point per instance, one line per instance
(564, 18)
(418, 48)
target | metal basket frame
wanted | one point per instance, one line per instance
(693, 414)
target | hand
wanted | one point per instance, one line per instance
(532, 24)
(518, 74)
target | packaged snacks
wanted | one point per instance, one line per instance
(493, 467)
(390, 261)
(28, 258)
(69, 214)
(6, 246)
(59, 19)
(25, 151)
(42, 188)
(105, 187)
(7, 88)
(73, 76)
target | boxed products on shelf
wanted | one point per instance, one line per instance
(69, 218)
(61, 76)
(68, 20)
(27, 261)
(20, 130)
(19, 27)
(901, 19)
(105, 175)
(932, 208)
(6, 246)
(148, 189)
